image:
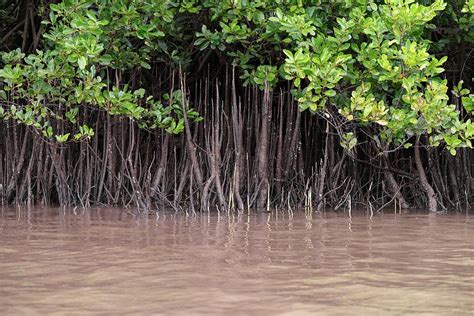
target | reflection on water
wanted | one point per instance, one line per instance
(105, 261)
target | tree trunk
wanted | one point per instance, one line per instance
(323, 171)
(238, 148)
(430, 194)
(263, 150)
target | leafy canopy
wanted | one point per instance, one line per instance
(368, 63)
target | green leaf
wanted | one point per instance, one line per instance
(468, 103)
(62, 138)
(330, 93)
(82, 61)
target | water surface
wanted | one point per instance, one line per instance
(105, 261)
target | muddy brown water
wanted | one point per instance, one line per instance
(106, 262)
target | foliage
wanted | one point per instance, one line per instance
(369, 61)
(372, 63)
(88, 46)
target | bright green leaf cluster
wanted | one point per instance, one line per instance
(90, 43)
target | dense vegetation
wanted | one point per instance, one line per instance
(236, 104)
